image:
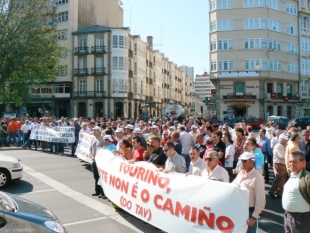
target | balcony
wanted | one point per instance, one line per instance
(81, 72)
(98, 71)
(130, 53)
(130, 73)
(239, 97)
(80, 50)
(280, 96)
(89, 94)
(130, 95)
(98, 49)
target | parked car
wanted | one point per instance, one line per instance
(230, 122)
(20, 215)
(254, 122)
(281, 121)
(300, 122)
(10, 169)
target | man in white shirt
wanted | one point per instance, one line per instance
(213, 171)
(187, 142)
(296, 195)
(197, 164)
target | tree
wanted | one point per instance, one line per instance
(29, 52)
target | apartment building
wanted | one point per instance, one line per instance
(120, 75)
(203, 86)
(189, 70)
(259, 57)
(56, 98)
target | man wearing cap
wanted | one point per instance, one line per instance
(250, 178)
(119, 137)
(95, 144)
(213, 171)
(279, 167)
(296, 195)
(108, 143)
(138, 133)
(193, 131)
(128, 132)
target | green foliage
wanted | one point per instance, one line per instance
(29, 52)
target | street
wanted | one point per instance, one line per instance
(64, 185)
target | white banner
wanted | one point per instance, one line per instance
(173, 202)
(56, 134)
(83, 148)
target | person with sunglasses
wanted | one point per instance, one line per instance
(250, 178)
(174, 162)
(213, 171)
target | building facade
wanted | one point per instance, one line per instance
(120, 75)
(259, 57)
(189, 70)
(203, 86)
(56, 98)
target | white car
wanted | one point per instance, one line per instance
(10, 169)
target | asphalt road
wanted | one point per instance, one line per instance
(64, 185)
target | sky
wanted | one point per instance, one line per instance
(180, 29)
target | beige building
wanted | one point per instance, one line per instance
(203, 86)
(120, 75)
(259, 57)
(56, 98)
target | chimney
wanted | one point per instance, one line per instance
(150, 41)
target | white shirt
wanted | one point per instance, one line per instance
(279, 154)
(218, 173)
(292, 200)
(230, 150)
(273, 142)
(25, 128)
(196, 168)
(186, 141)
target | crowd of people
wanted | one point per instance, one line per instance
(218, 153)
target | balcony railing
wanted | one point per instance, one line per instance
(280, 96)
(98, 71)
(239, 96)
(98, 49)
(81, 50)
(81, 72)
(130, 53)
(90, 94)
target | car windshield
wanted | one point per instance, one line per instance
(7, 203)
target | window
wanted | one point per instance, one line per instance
(99, 43)
(254, 3)
(62, 17)
(82, 87)
(62, 35)
(213, 45)
(225, 65)
(291, 9)
(304, 66)
(255, 23)
(115, 41)
(292, 48)
(269, 88)
(62, 69)
(121, 41)
(225, 44)
(212, 5)
(82, 65)
(274, 25)
(213, 65)
(99, 86)
(239, 88)
(289, 89)
(256, 64)
(224, 25)
(279, 88)
(224, 4)
(274, 65)
(114, 63)
(121, 63)
(60, 2)
(292, 68)
(274, 4)
(291, 29)
(82, 45)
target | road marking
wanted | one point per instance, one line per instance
(81, 198)
(43, 191)
(85, 221)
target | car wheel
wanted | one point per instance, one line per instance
(299, 128)
(4, 177)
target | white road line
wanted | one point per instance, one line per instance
(42, 191)
(85, 221)
(81, 198)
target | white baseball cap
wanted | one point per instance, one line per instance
(119, 130)
(129, 126)
(247, 156)
(108, 137)
(137, 130)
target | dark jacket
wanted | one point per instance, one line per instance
(304, 185)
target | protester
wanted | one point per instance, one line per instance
(264, 143)
(296, 195)
(174, 162)
(197, 164)
(157, 156)
(138, 149)
(292, 146)
(250, 178)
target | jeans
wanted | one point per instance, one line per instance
(187, 160)
(12, 135)
(252, 229)
(26, 140)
